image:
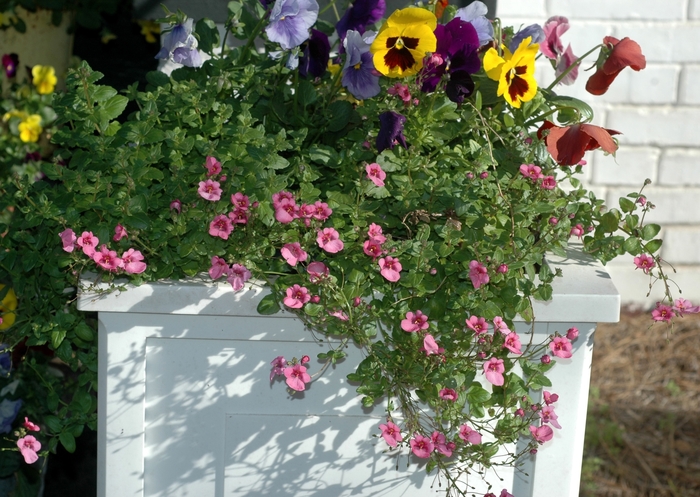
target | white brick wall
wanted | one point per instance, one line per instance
(657, 110)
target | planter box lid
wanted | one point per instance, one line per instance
(584, 294)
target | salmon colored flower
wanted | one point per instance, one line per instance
(614, 57)
(568, 144)
(402, 43)
(515, 72)
(44, 78)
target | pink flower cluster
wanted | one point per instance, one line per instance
(287, 210)
(478, 274)
(236, 275)
(547, 415)
(223, 224)
(665, 313)
(28, 445)
(131, 261)
(389, 267)
(423, 446)
(535, 174)
(294, 372)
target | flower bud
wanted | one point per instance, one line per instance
(520, 412)
(572, 333)
(315, 299)
(546, 359)
(305, 359)
(503, 269)
(481, 355)
(356, 301)
(553, 221)
(484, 175)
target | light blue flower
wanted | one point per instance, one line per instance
(475, 13)
(290, 21)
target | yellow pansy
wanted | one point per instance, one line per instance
(44, 78)
(399, 48)
(514, 72)
(149, 29)
(14, 113)
(9, 303)
(30, 128)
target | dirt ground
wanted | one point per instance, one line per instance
(643, 430)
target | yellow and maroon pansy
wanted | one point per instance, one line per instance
(514, 72)
(399, 48)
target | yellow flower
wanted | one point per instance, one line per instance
(149, 29)
(514, 72)
(9, 303)
(399, 48)
(14, 113)
(30, 128)
(7, 18)
(44, 78)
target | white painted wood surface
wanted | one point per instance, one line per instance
(186, 407)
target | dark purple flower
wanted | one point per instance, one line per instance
(475, 14)
(360, 14)
(314, 56)
(290, 21)
(457, 47)
(32, 157)
(10, 63)
(390, 130)
(359, 75)
(534, 31)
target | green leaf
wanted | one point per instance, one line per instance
(340, 112)
(632, 246)
(68, 441)
(323, 154)
(626, 205)
(306, 93)
(57, 338)
(477, 394)
(208, 35)
(653, 246)
(53, 423)
(650, 231)
(268, 306)
(112, 108)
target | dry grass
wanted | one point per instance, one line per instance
(643, 431)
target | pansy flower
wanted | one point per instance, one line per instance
(567, 144)
(400, 47)
(359, 76)
(515, 72)
(314, 55)
(614, 57)
(390, 130)
(475, 14)
(10, 61)
(180, 46)
(44, 79)
(553, 48)
(360, 14)
(290, 21)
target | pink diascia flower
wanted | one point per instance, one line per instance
(29, 425)
(375, 174)
(549, 398)
(577, 231)
(132, 262)
(209, 190)
(644, 262)
(390, 268)
(339, 314)
(237, 276)
(283, 196)
(430, 346)
(286, 211)
(512, 343)
(402, 91)
(297, 377)
(88, 242)
(415, 322)
(681, 306)
(278, 365)
(68, 239)
(221, 226)
(494, 369)
(213, 166)
(238, 216)
(421, 446)
(296, 297)
(479, 325)
(440, 443)
(549, 183)
(541, 433)
(375, 233)
(28, 447)
(317, 271)
(662, 312)
(448, 394)
(478, 274)
(107, 259)
(240, 201)
(561, 347)
(293, 253)
(329, 240)
(119, 233)
(548, 416)
(322, 211)
(469, 435)
(501, 325)
(531, 171)
(391, 433)
(218, 267)
(372, 249)
(176, 205)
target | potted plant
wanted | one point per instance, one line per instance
(398, 193)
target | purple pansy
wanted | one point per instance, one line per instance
(390, 130)
(457, 47)
(180, 46)
(359, 76)
(475, 13)
(290, 21)
(359, 15)
(534, 31)
(314, 55)
(10, 61)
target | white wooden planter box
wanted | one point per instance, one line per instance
(186, 407)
